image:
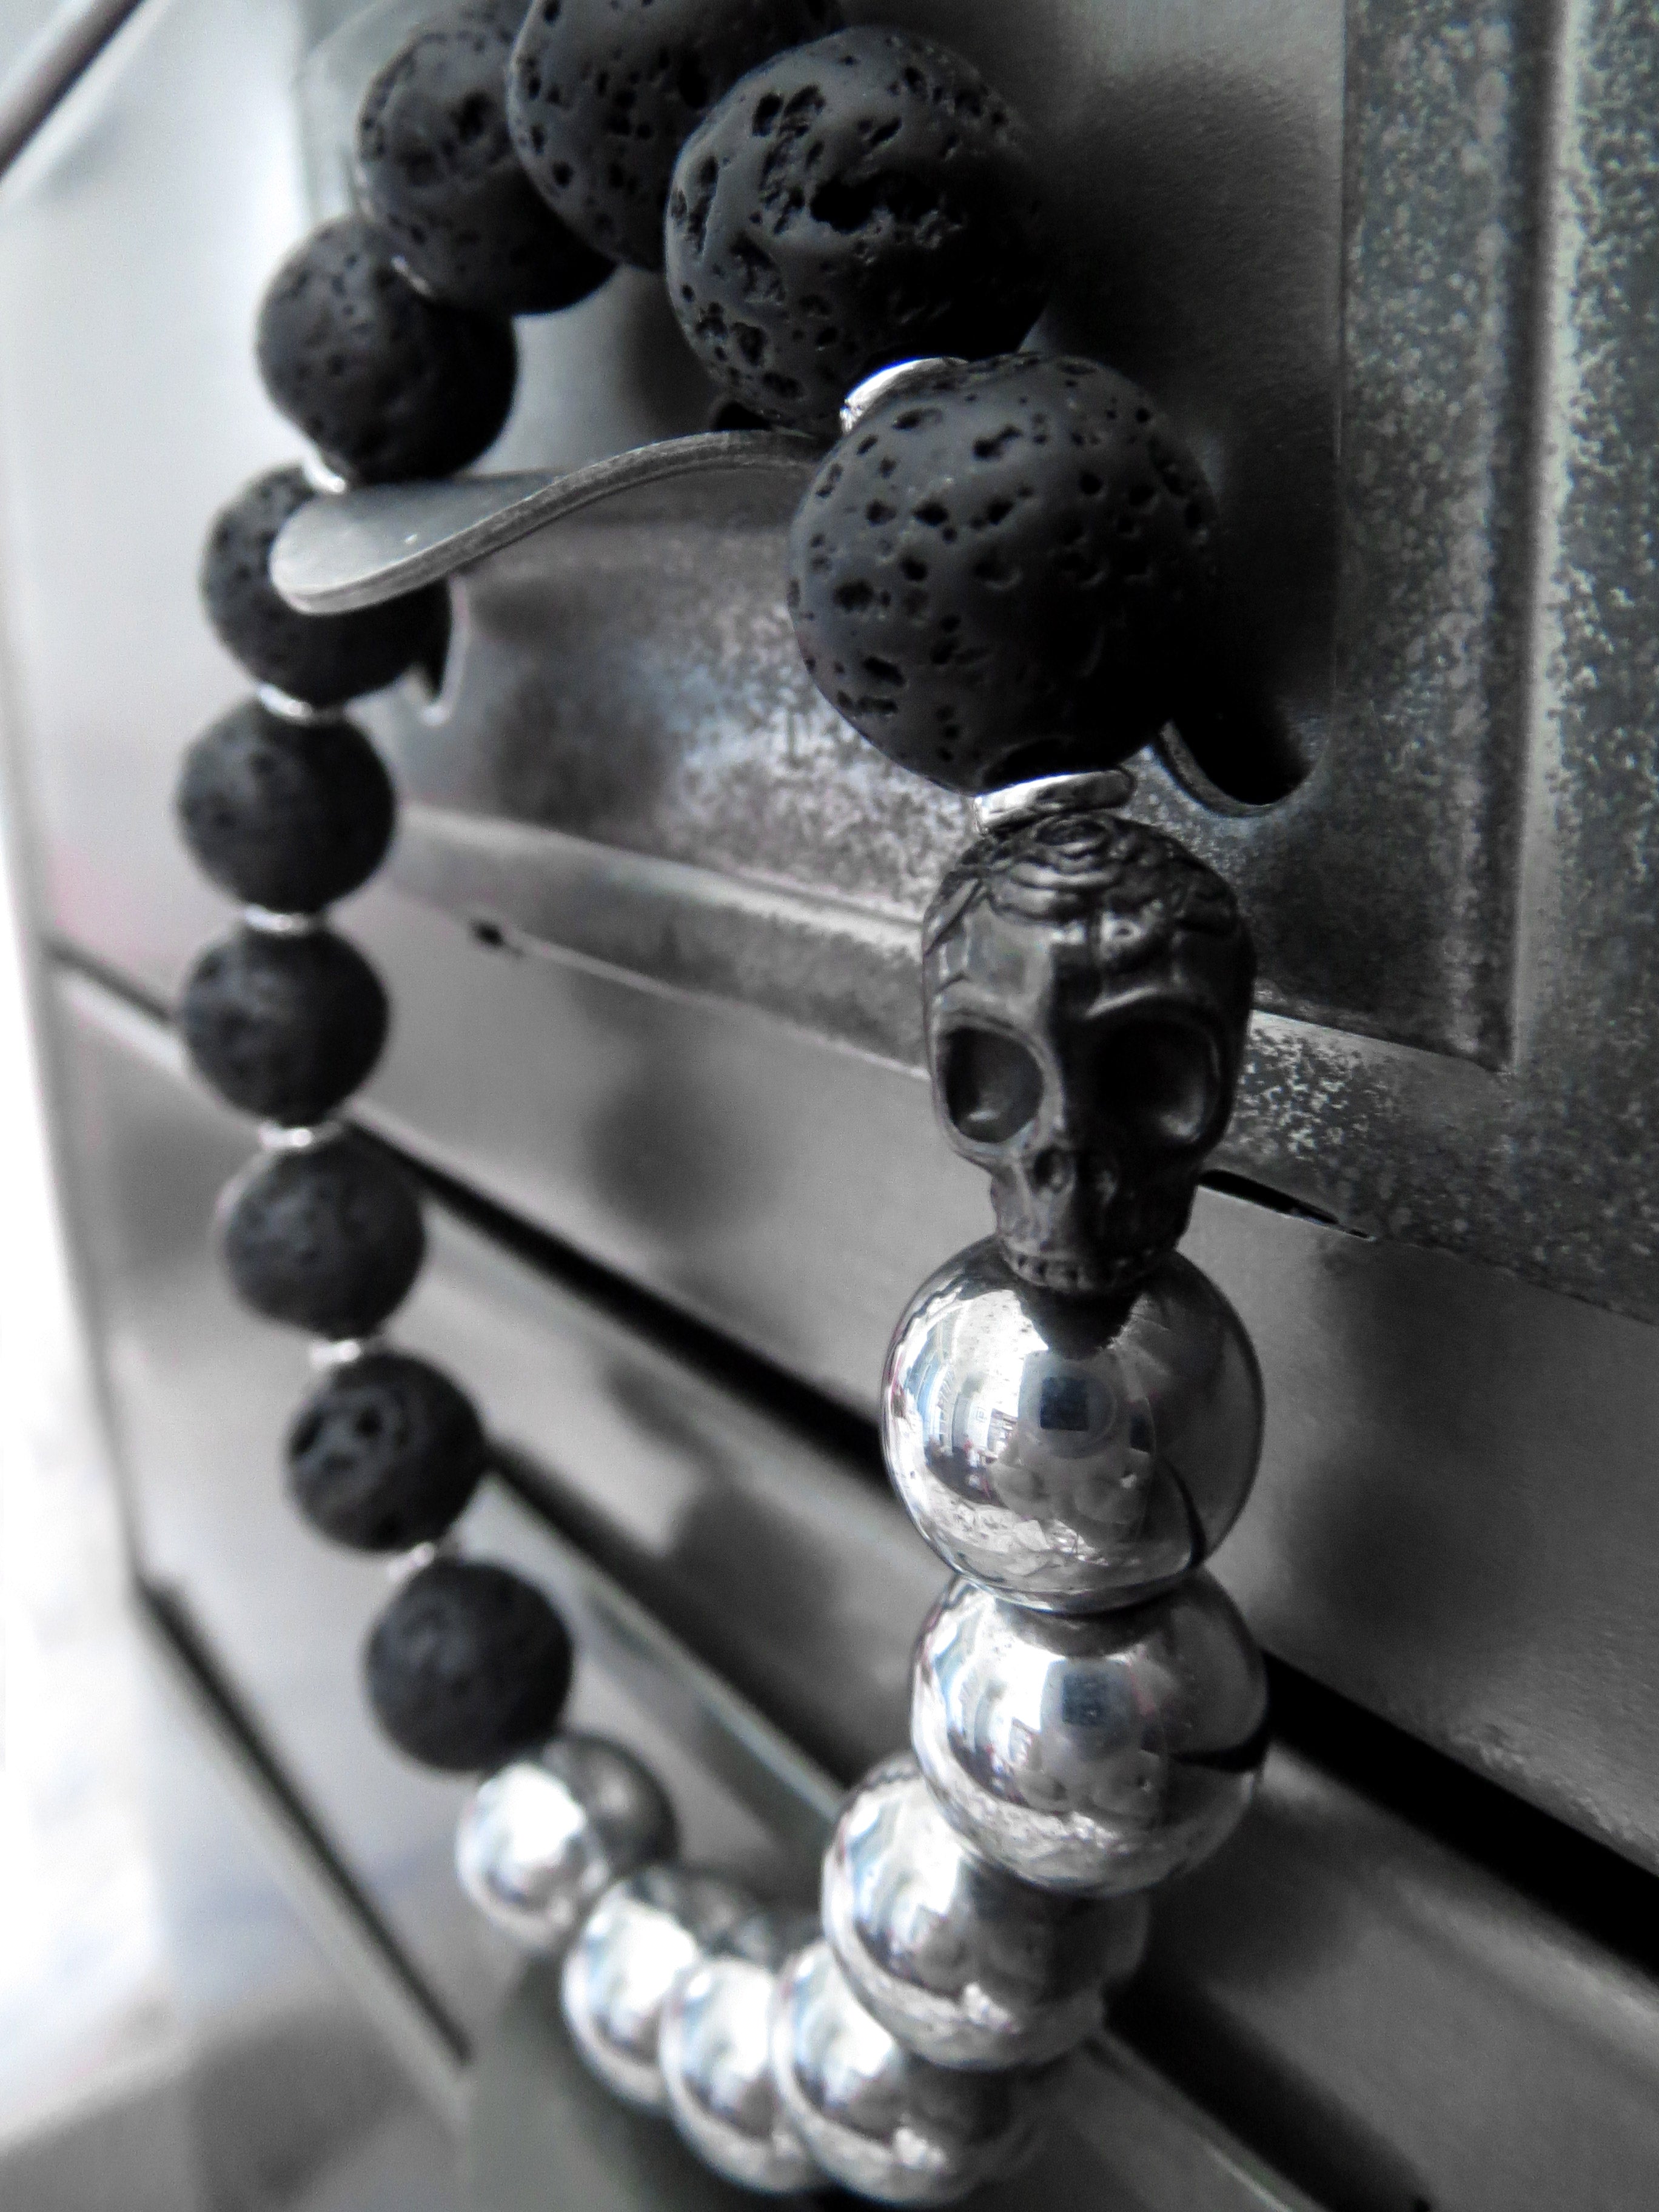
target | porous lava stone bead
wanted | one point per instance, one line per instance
(323, 659)
(328, 1239)
(1007, 569)
(438, 168)
(603, 93)
(283, 1027)
(467, 1665)
(289, 816)
(386, 385)
(386, 1454)
(864, 199)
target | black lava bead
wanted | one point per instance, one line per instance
(283, 1027)
(467, 1665)
(603, 93)
(1007, 569)
(386, 1454)
(285, 815)
(863, 200)
(439, 171)
(328, 1239)
(385, 384)
(324, 660)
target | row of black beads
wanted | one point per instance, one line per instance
(388, 343)
(468, 1663)
(821, 200)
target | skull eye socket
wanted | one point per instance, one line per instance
(1159, 1082)
(992, 1085)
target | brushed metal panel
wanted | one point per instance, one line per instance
(1393, 2025)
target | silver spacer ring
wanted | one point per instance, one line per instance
(274, 924)
(863, 396)
(288, 708)
(322, 478)
(407, 1564)
(328, 1352)
(277, 1137)
(1053, 795)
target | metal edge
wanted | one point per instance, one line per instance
(1166, 2152)
(357, 1945)
(326, 560)
(52, 65)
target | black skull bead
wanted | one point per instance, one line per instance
(283, 1026)
(328, 1238)
(386, 385)
(1086, 986)
(289, 816)
(466, 1666)
(860, 201)
(1007, 569)
(386, 1453)
(437, 167)
(321, 660)
(601, 98)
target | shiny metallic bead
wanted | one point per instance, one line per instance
(713, 2049)
(644, 1932)
(877, 2118)
(1097, 1755)
(540, 1841)
(963, 1963)
(1071, 1453)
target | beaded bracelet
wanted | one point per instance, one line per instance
(1003, 575)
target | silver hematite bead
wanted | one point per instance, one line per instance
(1097, 1755)
(542, 1839)
(715, 2052)
(877, 2118)
(963, 1963)
(1071, 1452)
(641, 1935)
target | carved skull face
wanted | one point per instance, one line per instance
(1088, 985)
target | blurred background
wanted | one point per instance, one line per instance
(91, 2058)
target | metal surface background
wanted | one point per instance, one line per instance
(1391, 2024)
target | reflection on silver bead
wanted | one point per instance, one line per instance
(641, 1935)
(540, 1841)
(715, 2054)
(1097, 1755)
(963, 1963)
(1071, 1453)
(877, 2118)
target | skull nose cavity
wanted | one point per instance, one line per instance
(1053, 1169)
